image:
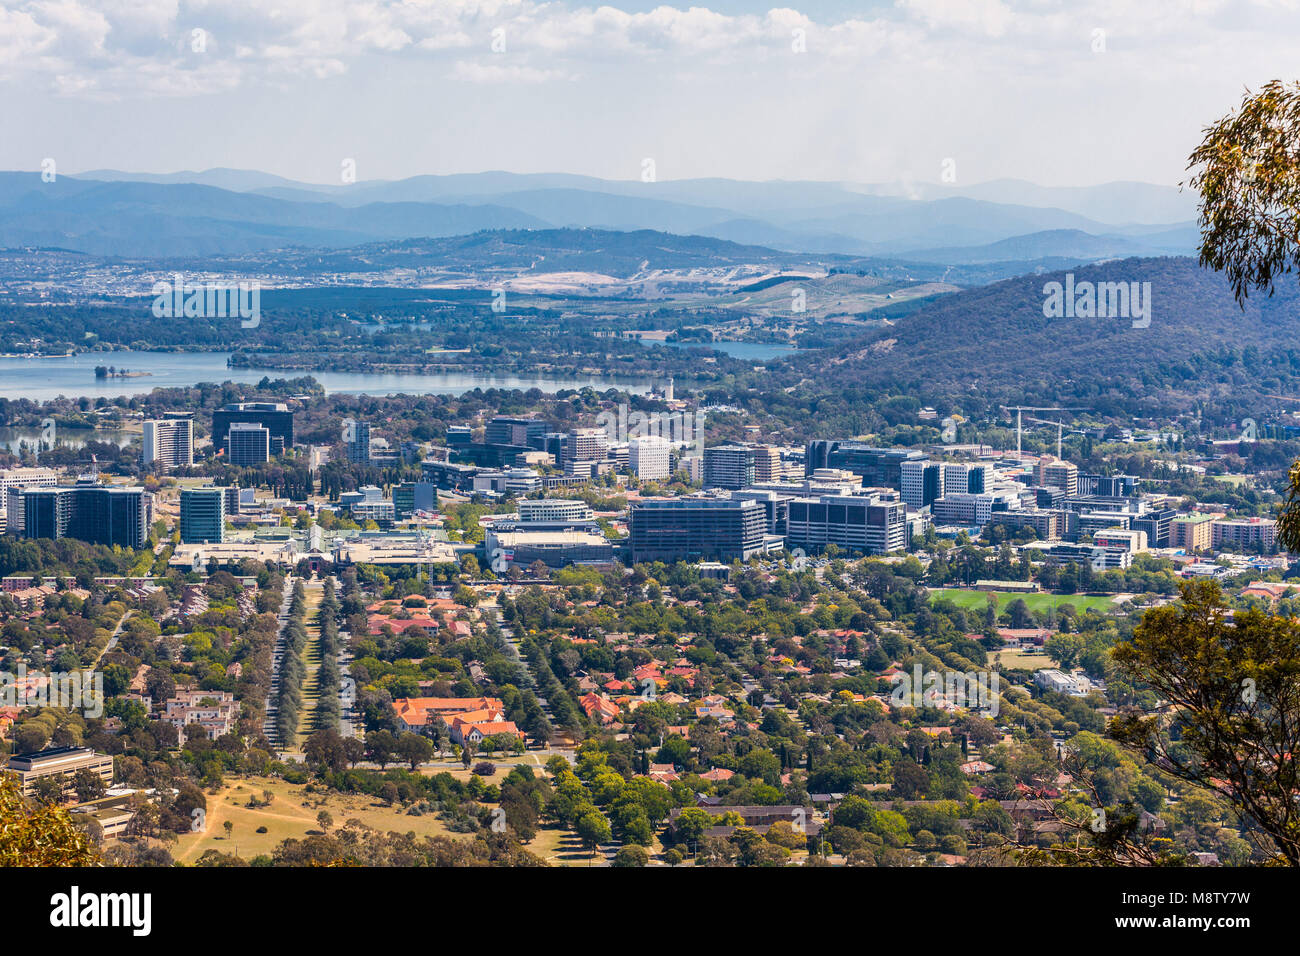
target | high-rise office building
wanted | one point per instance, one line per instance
(865, 523)
(729, 466)
(412, 496)
(90, 512)
(921, 482)
(965, 478)
(248, 443)
(507, 430)
(650, 458)
(968, 509)
(274, 416)
(767, 463)
(1158, 525)
(554, 509)
(586, 444)
(678, 529)
(203, 515)
(776, 507)
(1110, 486)
(1055, 473)
(357, 440)
(879, 467)
(169, 442)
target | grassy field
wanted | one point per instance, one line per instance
(292, 814)
(311, 657)
(977, 600)
(1022, 660)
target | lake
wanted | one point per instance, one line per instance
(756, 351)
(41, 379)
(12, 438)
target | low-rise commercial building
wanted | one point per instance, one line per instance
(59, 762)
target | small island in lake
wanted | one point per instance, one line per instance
(109, 371)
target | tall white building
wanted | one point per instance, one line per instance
(650, 458)
(169, 442)
(921, 482)
(962, 478)
(586, 444)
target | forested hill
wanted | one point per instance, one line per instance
(994, 344)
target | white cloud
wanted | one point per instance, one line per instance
(473, 71)
(1000, 84)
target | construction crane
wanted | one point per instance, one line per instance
(1018, 409)
(1060, 428)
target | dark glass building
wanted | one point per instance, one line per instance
(98, 514)
(679, 529)
(879, 467)
(275, 417)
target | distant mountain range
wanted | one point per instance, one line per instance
(228, 211)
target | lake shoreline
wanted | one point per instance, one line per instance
(73, 377)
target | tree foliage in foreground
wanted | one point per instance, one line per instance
(1247, 169)
(39, 835)
(1231, 722)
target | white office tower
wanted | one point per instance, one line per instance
(964, 478)
(921, 482)
(169, 442)
(650, 458)
(586, 444)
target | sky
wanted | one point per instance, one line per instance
(1059, 93)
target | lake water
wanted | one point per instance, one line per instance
(12, 438)
(757, 351)
(41, 379)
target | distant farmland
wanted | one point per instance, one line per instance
(1037, 603)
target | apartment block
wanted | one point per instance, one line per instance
(169, 442)
(92, 512)
(1244, 533)
(1191, 532)
(214, 710)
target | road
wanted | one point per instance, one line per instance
(269, 723)
(112, 641)
(512, 642)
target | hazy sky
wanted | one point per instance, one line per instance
(1057, 92)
